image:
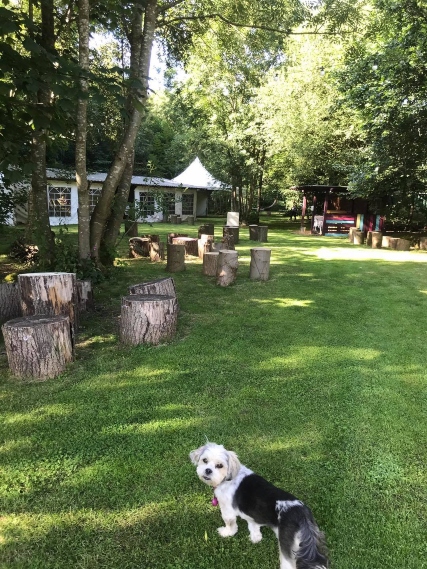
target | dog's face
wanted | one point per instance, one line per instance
(215, 464)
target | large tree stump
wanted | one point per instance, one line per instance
(173, 218)
(85, 295)
(403, 245)
(231, 230)
(263, 233)
(175, 258)
(207, 228)
(210, 264)
(10, 306)
(148, 319)
(49, 294)
(190, 219)
(376, 239)
(253, 233)
(157, 251)
(228, 242)
(139, 247)
(204, 244)
(260, 264)
(216, 247)
(38, 347)
(228, 264)
(392, 242)
(358, 237)
(171, 236)
(165, 286)
(190, 243)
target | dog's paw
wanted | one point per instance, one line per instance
(227, 532)
(255, 537)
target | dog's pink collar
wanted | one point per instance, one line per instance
(214, 501)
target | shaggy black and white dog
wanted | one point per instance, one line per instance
(240, 492)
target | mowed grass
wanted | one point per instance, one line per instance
(316, 378)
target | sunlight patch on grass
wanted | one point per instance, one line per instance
(40, 414)
(151, 427)
(328, 254)
(284, 302)
(16, 445)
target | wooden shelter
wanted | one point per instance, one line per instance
(333, 212)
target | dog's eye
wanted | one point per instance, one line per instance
(205, 460)
(219, 465)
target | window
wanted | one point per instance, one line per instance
(59, 201)
(187, 204)
(146, 204)
(169, 200)
(94, 194)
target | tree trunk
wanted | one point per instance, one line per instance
(165, 286)
(38, 347)
(81, 133)
(148, 319)
(228, 264)
(10, 307)
(210, 264)
(260, 264)
(103, 207)
(49, 294)
(175, 258)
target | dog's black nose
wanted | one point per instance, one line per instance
(208, 471)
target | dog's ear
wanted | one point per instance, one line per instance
(195, 454)
(233, 465)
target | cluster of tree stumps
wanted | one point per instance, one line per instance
(377, 240)
(41, 341)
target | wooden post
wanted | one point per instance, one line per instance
(228, 264)
(148, 319)
(10, 306)
(262, 233)
(377, 239)
(49, 294)
(260, 264)
(175, 261)
(231, 230)
(38, 347)
(210, 264)
(85, 295)
(165, 286)
(253, 233)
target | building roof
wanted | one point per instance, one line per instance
(197, 175)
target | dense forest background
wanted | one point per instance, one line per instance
(268, 94)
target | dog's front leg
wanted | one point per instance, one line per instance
(229, 517)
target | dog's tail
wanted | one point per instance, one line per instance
(300, 539)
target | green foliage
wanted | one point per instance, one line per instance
(67, 258)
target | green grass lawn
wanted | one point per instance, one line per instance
(316, 378)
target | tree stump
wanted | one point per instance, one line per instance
(165, 286)
(204, 244)
(228, 264)
(423, 243)
(173, 218)
(157, 251)
(210, 264)
(358, 237)
(207, 228)
(253, 233)
(190, 244)
(393, 242)
(233, 219)
(228, 242)
(49, 294)
(175, 258)
(403, 245)
(85, 300)
(263, 233)
(190, 219)
(38, 347)
(260, 264)
(351, 233)
(369, 239)
(148, 319)
(139, 247)
(217, 247)
(10, 306)
(171, 236)
(231, 230)
(376, 240)
(178, 219)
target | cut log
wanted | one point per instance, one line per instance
(423, 243)
(175, 261)
(173, 218)
(231, 230)
(38, 347)
(228, 264)
(153, 237)
(190, 244)
(263, 233)
(260, 264)
(393, 242)
(253, 233)
(49, 294)
(157, 251)
(210, 264)
(165, 286)
(207, 228)
(369, 239)
(85, 299)
(351, 233)
(228, 242)
(171, 236)
(358, 237)
(139, 247)
(148, 319)
(204, 244)
(403, 245)
(376, 240)
(190, 219)
(10, 306)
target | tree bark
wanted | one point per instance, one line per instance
(38, 347)
(175, 258)
(403, 245)
(190, 244)
(10, 307)
(139, 247)
(263, 233)
(207, 228)
(204, 244)
(85, 299)
(253, 233)
(260, 264)
(148, 319)
(81, 133)
(210, 264)
(165, 286)
(358, 237)
(228, 264)
(231, 230)
(376, 240)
